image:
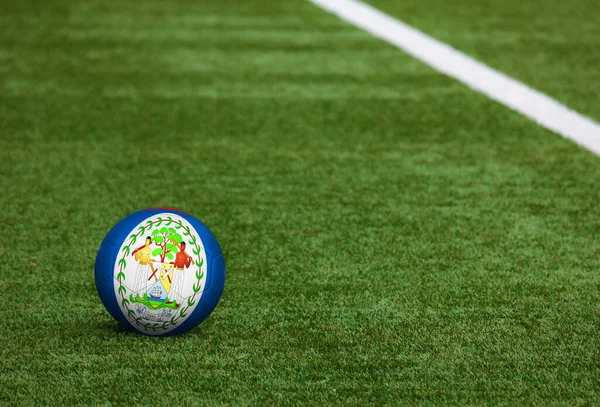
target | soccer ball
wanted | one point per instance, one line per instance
(160, 272)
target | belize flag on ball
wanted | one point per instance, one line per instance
(160, 272)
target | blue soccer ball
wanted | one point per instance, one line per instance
(160, 272)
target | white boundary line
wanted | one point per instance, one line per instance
(535, 105)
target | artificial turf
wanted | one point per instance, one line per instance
(551, 45)
(391, 237)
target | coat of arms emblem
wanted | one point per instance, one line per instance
(160, 273)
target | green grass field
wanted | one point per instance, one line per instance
(391, 237)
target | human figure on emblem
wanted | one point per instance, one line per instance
(143, 255)
(182, 261)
